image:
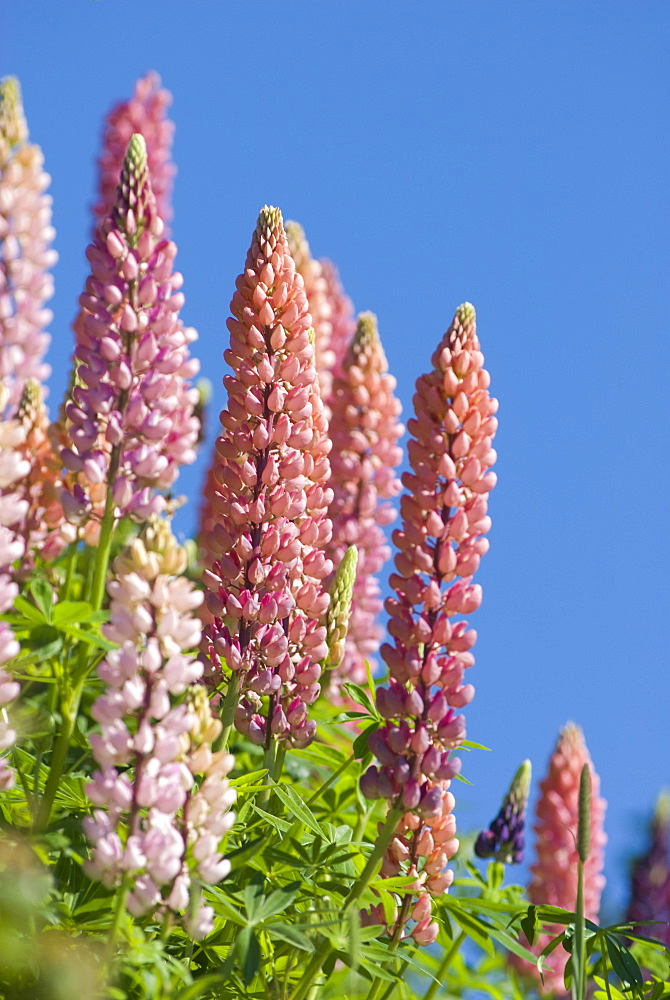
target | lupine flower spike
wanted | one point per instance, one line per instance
(650, 877)
(342, 318)
(554, 873)
(364, 428)
(145, 114)
(505, 837)
(339, 609)
(26, 256)
(130, 417)
(444, 520)
(266, 585)
(162, 827)
(13, 510)
(316, 290)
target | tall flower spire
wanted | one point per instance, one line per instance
(342, 318)
(364, 428)
(504, 840)
(444, 519)
(130, 416)
(156, 825)
(650, 876)
(145, 114)
(316, 290)
(554, 873)
(26, 256)
(266, 586)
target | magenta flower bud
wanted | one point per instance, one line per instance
(370, 783)
(411, 794)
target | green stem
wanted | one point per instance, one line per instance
(579, 954)
(119, 910)
(444, 966)
(392, 986)
(358, 888)
(228, 711)
(97, 591)
(334, 776)
(69, 710)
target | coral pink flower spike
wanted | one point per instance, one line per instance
(364, 429)
(554, 874)
(266, 586)
(146, 114)
(444, 519)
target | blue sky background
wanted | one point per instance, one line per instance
(512, 154)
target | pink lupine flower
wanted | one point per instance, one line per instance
(156, 824)
(130, 416)
(342, 319)
(318, 301)
(441, 539)
(144, 114)
(554, 873)
(26, 256)
(364, 429)
(266, 586)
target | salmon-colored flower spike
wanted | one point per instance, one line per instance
(444, 519)
(130, 416)
(364, 429)
(554, 873)
(145, 114)
(342, 317)
(316, 290)
(26, 256)
(266, 586)
(45, 530)
(650, 877)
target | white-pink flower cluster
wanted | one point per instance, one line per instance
(26, 256)
(157, 822)
(13, 509)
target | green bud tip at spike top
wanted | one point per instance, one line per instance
(269, 218)
(134, 203)
(337, 617)
(466, 313)
(297, 243)
(584, 825)
(13, 127)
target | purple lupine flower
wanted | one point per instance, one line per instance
(156, 823)
(269, 495)
(26, 235)
(144, 114)
(444, 519)
(650, 876)
(504, 840)
(130, 418)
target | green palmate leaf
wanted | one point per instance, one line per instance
(31, 614)
(623, 963)
(91, 637)
(42, 594)
(361, 697)
(297, 807)
(321, 755)
(529, 924)
(248, 953)
(72, 611)
(360, 744)
(275, 821)
(196, 990)
(606, 991)
(251, 778)
(276, 902)
(476, 929)
(289, 934)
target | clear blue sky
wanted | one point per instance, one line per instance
(512, 154)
